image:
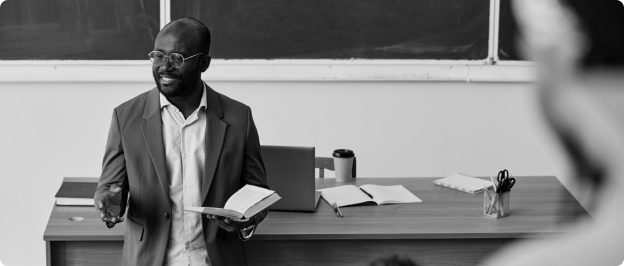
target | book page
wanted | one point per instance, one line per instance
(344, 195)
(216, 211)
(246, 197)
(74, 202)
(265, 203)
(390, 194)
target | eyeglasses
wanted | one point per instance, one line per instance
(175, 59)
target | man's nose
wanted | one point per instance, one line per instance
(166, 66)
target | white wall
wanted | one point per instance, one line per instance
(397, 129)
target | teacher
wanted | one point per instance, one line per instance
(179, 145)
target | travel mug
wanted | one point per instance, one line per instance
(343, 164)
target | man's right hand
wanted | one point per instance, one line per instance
(108, 206)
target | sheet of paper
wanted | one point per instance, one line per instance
(344, 195)
(390, 194)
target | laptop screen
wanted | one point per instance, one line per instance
(290, 173)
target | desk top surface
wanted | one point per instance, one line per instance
(539, 206)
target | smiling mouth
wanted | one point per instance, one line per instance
(167, 80)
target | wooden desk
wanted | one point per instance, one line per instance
(448, 228)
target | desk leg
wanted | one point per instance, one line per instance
(48, 255)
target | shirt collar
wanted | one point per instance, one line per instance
(203, 102)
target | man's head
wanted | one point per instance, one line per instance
(187, 37)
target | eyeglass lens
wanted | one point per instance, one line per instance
(158, 58)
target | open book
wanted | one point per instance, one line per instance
(245, 203)
(351, 195)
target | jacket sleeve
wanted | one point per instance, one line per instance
(114, 165)
(253, 171)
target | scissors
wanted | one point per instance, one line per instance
(505, 181)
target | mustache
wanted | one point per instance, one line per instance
(164, 73)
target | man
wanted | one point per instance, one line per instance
(179, 145)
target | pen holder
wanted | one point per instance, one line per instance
(496, 205)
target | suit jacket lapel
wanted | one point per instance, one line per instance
(215, 134)
(152, 133)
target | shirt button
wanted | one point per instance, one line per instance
(167, 215)
(186, 215)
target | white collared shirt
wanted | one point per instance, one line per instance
(185, 144)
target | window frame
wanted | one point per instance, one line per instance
(490, 69)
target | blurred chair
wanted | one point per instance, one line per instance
(323, 163)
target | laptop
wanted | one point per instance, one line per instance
(290, 173)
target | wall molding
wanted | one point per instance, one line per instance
(275, 70)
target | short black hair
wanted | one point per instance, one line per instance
(202, 30)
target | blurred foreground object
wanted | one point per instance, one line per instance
(579, 50)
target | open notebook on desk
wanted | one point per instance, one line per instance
(351, 195)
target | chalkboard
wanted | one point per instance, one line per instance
(249, 29)
(508, 34)
(78, 29)
(343, 29)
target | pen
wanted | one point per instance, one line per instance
(371, 196)
(337, 210)
(493, 182)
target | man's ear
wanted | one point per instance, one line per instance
(205, 63)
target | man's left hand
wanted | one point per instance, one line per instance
(229, 224)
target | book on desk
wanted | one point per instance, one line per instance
(348, 195)
(464, 183)
(76, 191)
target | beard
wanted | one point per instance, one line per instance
(180, 87)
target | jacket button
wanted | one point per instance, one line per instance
(167, 215)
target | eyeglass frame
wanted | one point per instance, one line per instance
(168, 58)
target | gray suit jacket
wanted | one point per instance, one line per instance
(135, 160)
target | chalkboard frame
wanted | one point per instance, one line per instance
(274, 71)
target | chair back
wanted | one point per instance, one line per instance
(323, 163)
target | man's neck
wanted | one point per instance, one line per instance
(188, 103)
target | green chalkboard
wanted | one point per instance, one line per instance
(78, 29)
(508, 34)
(249, 29)
(343, 29)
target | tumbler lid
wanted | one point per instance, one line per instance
(343, 153)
